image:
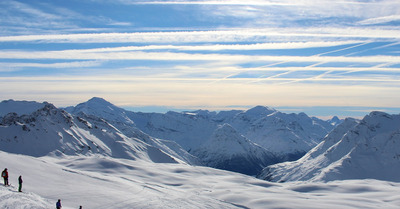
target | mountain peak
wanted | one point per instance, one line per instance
(260, 110)
(102, 108)
(95, 103)
(377, 114)
(98, 100)
(226, 132)
(335, 120)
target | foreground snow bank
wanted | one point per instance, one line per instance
(11, 199)
(104, 182)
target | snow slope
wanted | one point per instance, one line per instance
(369, 148)
(102, 182)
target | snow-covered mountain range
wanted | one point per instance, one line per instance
(243, 141)
(369, 148)
(278, 136)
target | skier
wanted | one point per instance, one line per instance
(80, 207)
(58, 204)
(4, 174)
(20, 183)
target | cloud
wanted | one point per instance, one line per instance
(220, 2)
(380, 20)
(140, 55)
(288, 10)
(221, 36)
(233, 47)
(31, 11)
(48, 17)
(18, 16)
(12, 66)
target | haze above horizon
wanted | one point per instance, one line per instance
(320, 57)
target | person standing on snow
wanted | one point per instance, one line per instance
(4, 174)
(58, 204)
(20, 183)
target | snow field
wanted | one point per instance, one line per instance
(103, 182)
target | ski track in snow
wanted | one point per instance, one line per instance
(139, 184)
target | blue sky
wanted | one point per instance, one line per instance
(318, 56)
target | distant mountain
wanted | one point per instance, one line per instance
(102, 109)
(369, 148)
(284, 136)
(52, 131)
(288, 136)
(227, 149)
(188, 129)
(335, 121)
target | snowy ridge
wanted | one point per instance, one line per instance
(369, 148)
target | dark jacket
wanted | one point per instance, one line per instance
(4, 174)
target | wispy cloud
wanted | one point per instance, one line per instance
(233, 47)
(380, 20)
(18, 17)
(201, 2)
(293, 11)
(11, 66)
(245, 35)
(16, 14)
(140, 55)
